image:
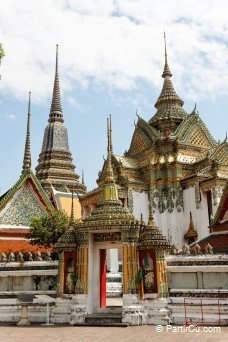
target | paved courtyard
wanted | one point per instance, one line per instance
(93, 334)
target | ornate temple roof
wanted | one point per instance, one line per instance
(143, 138)
(27, 197)
(193, 131)
(55, 160)
(169, 104)
(151, 237)
(109, 212)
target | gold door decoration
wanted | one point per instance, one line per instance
(130, 268)
(161, 274)
(82, 266)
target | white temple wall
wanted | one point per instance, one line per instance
(199, 216)
(172, 225)
(140, 205)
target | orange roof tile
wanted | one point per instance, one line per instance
(23, 246)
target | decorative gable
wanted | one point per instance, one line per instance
(198, 137)
(23, 205)
(220, 154)
(139, 144)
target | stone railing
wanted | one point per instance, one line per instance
(191, 250)
(22, 257)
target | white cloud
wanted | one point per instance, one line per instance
(11, 117)
(114, 42)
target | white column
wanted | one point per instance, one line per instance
(114, 266)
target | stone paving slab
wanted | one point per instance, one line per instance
(95, 334)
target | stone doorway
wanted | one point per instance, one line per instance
(104, 276)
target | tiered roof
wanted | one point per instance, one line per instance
(169, 104)
(151, 236)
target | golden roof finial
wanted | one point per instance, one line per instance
(191, 232)
(109, 186)
(151, 222)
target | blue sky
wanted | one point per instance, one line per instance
(111, 60)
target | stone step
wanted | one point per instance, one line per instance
(101, 324)
(101, 318)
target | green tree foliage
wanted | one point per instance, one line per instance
(46, 230)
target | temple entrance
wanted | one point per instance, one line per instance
(105, 287)
(111, 284)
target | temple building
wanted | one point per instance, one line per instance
(19, 204)
(50, 188)
(173, 164)
(55, 166)
(82, 259)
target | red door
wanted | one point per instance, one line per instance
(102, 278)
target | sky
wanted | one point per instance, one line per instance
(111, 57)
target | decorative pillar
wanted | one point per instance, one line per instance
(161, 274)
(60, 285)
(82, 261)
(130, 259)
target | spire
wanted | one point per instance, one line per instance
(151, 222)
(110, 134)
(71, 222)
(56, 109)
(83, 181)
(191, 234)
(109, 187)
(27, 153)
(109, 171)
(169, 105)
(166, 72)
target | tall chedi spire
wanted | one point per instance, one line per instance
(56, 108)
(169, 105)
(109, 189)
(55, 165)
(27, 162)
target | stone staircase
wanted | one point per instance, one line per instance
(108, 317)
(114, 285)
(105, 319)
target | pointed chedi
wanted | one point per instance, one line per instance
(56, 108)
(169, 105)
(27, 162)
(109, 189)
(55, 160)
